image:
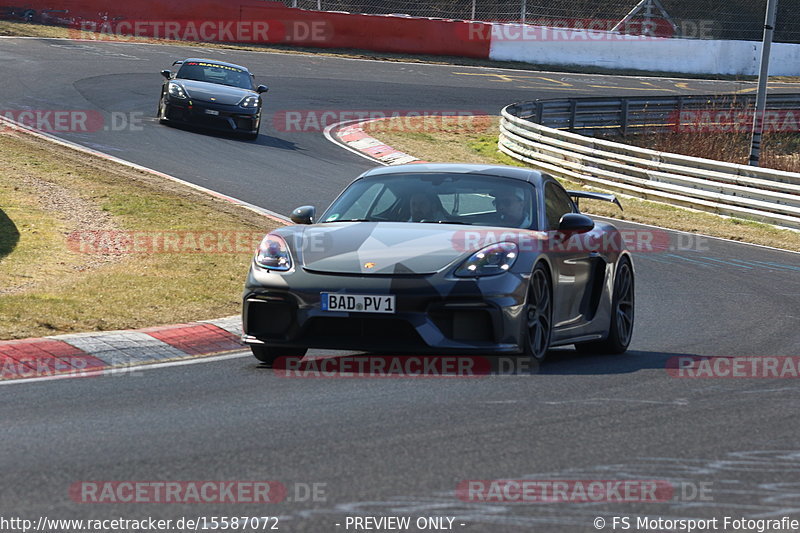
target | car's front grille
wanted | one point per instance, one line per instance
(271, 318)
(464, 325)
(383, 331)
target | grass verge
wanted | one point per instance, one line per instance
(453, 140)
(87, 244)
(779, 150)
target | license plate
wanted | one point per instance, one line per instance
(357, 303)
(212, 112)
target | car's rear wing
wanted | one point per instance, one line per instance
(594, 196)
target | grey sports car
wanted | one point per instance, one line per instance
(442, 258)
(213, 95)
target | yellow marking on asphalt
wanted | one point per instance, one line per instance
(545, 88)
(632, 88)
(499, 77)
(557, 82)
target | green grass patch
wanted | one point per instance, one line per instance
(53, 282)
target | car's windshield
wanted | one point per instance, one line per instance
(215, 73)
(437, 198)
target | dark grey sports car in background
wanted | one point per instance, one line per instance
(442, 258)
(212, 94)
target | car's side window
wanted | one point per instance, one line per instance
(556, 203)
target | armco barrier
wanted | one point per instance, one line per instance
(728, 189)
(636, 114)
(381, 33)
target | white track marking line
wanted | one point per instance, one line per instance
(128, 369)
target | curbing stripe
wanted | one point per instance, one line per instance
(351, 135)
(197, 339)
(94, 354)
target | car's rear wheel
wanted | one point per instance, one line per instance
(538, 314)
(268, 354)
(620, 330)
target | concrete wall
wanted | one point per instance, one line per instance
(547, 46)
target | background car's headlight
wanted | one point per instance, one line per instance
(494, 259)
(273, 254)
(176, 91)
(250, 101)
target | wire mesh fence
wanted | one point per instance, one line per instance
(693, 19)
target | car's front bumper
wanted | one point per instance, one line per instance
(217, 117)
(434, 314)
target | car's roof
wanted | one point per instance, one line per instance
(524, 174)
(215, 62)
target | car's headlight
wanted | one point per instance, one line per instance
(176, 91)
(273, 254)
(250, 101)
(494, 259)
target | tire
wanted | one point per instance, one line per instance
(250, 136)
(268, 354)
(538, 315)
(620, 329)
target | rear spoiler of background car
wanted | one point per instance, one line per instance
(594, 196)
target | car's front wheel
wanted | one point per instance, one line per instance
(538, 314)
(620, 330)
(268, 354)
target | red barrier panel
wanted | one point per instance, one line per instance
(287, 25)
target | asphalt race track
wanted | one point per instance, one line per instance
(400, 447)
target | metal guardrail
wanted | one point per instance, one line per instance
(639, 115)
(765, 195)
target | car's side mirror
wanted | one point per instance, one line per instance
(304, 214)
(166, 73)
(262, 89)
(575, 223)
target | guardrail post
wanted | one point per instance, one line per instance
(679, 115)
(624, 119)
(573, 110)
(539, 117)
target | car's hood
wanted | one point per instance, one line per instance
(383, 247)
(223, 94)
